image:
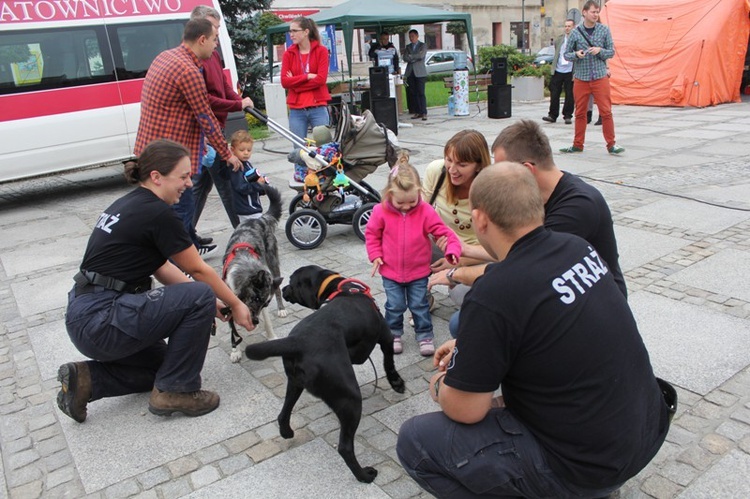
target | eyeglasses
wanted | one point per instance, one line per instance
(295, 30)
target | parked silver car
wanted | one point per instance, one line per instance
(545, 56)
(441, 61)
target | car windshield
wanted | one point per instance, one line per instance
(548, 50)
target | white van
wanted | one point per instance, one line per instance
(71, 73)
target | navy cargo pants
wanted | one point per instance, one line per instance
(125, 335)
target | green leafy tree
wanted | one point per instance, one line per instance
(456, 28)
(243, 21)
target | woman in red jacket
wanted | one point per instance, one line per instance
(304, 71)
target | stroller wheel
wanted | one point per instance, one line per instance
(306, 229)
(360, 219)
(297, 202)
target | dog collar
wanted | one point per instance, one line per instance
(233, 252)
(325, 284)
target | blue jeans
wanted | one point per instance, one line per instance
(302, 119)
(185, 208)
(413, 295)
(496, 457)
(218, 175)
(125, 333)
(453, 324)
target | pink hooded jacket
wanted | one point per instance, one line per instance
(400, 239)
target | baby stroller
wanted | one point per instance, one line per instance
(333, 191)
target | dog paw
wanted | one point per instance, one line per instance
(397, 383)
(286, 432)
(235, 356)
(283, 313)
(367, 475)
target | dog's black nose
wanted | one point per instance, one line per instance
(255, 320)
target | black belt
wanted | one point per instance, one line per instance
(88, 282)
(310, 107)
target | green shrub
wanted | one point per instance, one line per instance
(516, 59)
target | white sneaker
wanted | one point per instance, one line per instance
(206, 250)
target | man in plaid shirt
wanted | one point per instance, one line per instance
(589, 46)
(174, 105)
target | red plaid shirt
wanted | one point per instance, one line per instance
(174, 105)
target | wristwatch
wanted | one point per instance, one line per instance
(449, 276)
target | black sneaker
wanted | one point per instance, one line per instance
(206, 250)
(75, 392)
(205, 241)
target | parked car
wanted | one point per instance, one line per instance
(441, 61)
(545, 56)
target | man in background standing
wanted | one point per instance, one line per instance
(174, 105)
(590, 45)
(223, 100)
(414, 55)
(384, 53)
(562, 78)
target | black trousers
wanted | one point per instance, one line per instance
(559, 82)
(418, 101)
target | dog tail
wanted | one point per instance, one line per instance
(283, 347)
(274, 198)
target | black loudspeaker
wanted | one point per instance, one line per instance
(379, 82)
(498, 101)
(384, 111)
(499, 70)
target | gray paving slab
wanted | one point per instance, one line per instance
(325, 476)
(40, 230)
(52, 347)
(41, 294)
(394, 416)
(638, 247)
(723, 148)
(728, 479)
(115, 425)
(688, 215)
(724, 273)
(42, 256)
(695, 348)
(734, 195)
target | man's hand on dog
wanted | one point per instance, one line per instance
(375, 266)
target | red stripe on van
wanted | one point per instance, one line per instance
(69, 100)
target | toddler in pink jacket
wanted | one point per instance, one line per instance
(399, 247)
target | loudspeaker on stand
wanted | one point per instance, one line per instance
(379, 85)
(499, 70)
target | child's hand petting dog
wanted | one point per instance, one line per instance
(376, 265)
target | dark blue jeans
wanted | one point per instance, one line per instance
(218, 175)
(413, 295)
(496, 457)
(185, 208)
(125, 333)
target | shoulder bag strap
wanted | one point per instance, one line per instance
(438, 185)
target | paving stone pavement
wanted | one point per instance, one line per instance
(680, 197)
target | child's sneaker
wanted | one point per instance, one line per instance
(426, 348)
(397, 346)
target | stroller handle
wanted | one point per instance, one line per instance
(276, 127)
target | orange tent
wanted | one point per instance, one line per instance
(677, 52)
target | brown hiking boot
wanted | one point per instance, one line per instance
(76, 389)
(190, 404)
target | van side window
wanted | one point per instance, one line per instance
(47, 59)
(139, 44)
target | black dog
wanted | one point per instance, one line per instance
(319, 352)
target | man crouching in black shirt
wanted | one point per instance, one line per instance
(581, 410)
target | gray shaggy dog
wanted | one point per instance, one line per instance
(251, 267)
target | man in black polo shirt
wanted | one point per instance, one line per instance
(581, 410)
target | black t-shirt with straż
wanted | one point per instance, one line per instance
(578, 208)
(550, 326)
(134, 237)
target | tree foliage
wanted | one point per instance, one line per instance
(268, 19)
(14, 53)
(243, 21)
(456, 27)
